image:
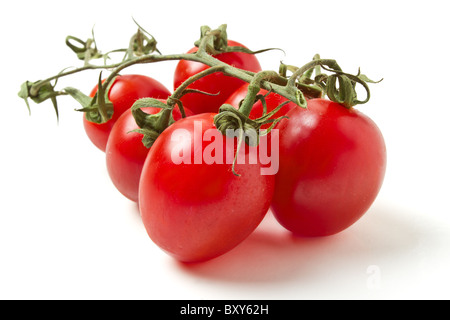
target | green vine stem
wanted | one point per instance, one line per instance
(151, 125)
(253, 89)
(231, 119)
(293, 88)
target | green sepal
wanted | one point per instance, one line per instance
(217, 44)
(79, 96)
(44, 92)
(364, 78)
(149, 136)
(24, 94)
(247, 50)
(151, 125)
(230, 119)
(98, 109)
(90, 106)
(87, 49)
(141, 44)
(340, 87)
(300, 99)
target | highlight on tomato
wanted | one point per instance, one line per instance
(125, 90)
(332, 165)
(217, 84)
(192, 204)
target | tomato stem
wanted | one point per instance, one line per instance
(180, 91)
(254, 87)
(293, 88)
(153, 124)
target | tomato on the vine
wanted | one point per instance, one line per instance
(218, 84)
(273, 100)
(125, 152)
(125, 90)
(192, 205)
(332, 165)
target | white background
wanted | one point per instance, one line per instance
(66, 233)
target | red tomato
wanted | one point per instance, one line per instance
(332, 165)
(214, 83)
(198, 211)
(273, 100)
(125, 90)
(125, 152)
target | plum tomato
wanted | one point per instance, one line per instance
(192, 205)
(332, 165)
(125, 90)
(216, 83)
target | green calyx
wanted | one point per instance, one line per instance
(230, 121)
(39, 92)
(141, 43)
(213, 41)
(339, 86)
(151, 125)
(85, 50)
(98, 109)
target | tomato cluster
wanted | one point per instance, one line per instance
(202, 192)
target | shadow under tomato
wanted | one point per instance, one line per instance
(135, 208)
(272, 254)
(266, 255)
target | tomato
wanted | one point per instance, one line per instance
(216, 83)
(125, 152)
(273, 100)
(332, 165)
(199, 210)
(125, 90)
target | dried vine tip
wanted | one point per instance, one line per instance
(340, 87)
(216, 44)
(219, 42)
(143, 43)
(38, 92)
(87, 50)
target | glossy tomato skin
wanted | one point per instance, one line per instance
(332, 165)
(216, 83)
(125, 90)
(198, 211)
(273, 100)
(125, 152)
